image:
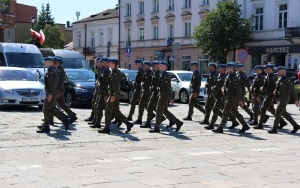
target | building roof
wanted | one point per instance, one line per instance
(107, 14)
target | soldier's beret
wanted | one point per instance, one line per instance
(194, 63)
(105, 59)
(230, 64)
(259, 67)
(222, 65)
(57, 58)
(113, 60)
(212, 64)
(48, 58)
(281, 68)
(240, 65)
(138, 61)
(147, 63)
(155, 63)
(163, 63)
(270, 65)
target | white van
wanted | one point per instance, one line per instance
(22, 55)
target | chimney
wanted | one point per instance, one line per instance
(68, 23)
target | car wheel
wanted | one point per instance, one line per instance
(184, 96)
(69, 100)
(40, 107)
(130, 94)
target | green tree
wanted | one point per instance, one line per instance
(44, 18)
(54, 37)
(223, 30)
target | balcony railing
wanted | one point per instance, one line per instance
(292, 32)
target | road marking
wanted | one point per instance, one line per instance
(139, 158)
(207, 153)
(265, 149)
(29, 167)
(103, 161)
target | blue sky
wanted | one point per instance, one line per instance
(64, 10)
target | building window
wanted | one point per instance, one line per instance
(142, 7)
(110, 35)
(171, 5)
(155, 6)
(187, 29)
(259, 18)
(79, 40)
(101, 38)
(205, 2)
(128, 9)
(155, 32)
(187, 4)
(92, 39)
(141, 33)
(171, 30)
(282, 16)
(186, 63)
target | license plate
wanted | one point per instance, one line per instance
(30, 100)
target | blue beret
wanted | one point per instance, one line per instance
(222, 65)
(259, 67)
(230, 64)
(57, 58)
(48, 58)
(194, 63)
(281, 68)
(240, 65)
(113, 60)
(98, 59)
(163, 63)
(147, 63)
(104, 59)
(155, 63)
(138, 61)
(270, 65)
(212, 64)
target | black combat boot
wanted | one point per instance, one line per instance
(259, 126)
(89, 118)
(170, 124)
(138, 122)
(282, 124)
(146, 125)
(93, 122)
(244, 129)
(254, 123)
(163, 118)
(296, 128)
(66, 123)
(218, 130)
(129, 126)
(188, 118)
(73, 119)
(273, 131)
(96, 125)
(234, 125)
(41, 126)
(44, 130)
(204, 122)
(155, 130)
(251, 118)
(178, 125)
(209, 127)
(266, 118)
(119, 123)
(129, 118)
(106, 130)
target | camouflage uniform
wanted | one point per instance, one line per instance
(233, 94)
(154, 96)
(94, 100)
(137, 92)
(195, 89)
(244, 84)
(258, 82)
(284, 87)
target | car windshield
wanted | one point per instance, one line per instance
(185, 76)
(69, 63)
(27, 60)
(81, 76)
(131, 75)
(16, 75)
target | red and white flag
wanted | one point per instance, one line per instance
(40, 36)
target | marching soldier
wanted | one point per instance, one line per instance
(233, 94)
(51, 88)
(137, 88)
(165, 93)
(103, 81)
(284, 87)
(268, 92)
(145, 94)
(210, 101)
(195, 89)
(258, 82)
(112, 99)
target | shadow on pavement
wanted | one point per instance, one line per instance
(171, 132)
(246, 134)
(117, 132)
(60, 134)
(23, 109)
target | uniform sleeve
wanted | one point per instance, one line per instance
(197, 83)
(52, 84)
(237, 88)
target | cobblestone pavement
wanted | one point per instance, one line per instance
(193, 157)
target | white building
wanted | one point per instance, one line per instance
(97, 35)
(149, 27)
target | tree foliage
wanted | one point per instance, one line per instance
(223, 30)
(44, 18)
(54, 37)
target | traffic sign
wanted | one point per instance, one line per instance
(171, 58)
(128, 55)
(242, 55)
(128, 50)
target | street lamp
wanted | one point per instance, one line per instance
(32, 21)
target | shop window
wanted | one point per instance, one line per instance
(204, 64)
(186, 63)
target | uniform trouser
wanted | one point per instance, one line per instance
(99, 108)
(135, 99)
(247, 110)
(255, 108)
(281, 111)
(193, 103)
(266, 105)
(210, 102)
(151, 106)
(217, 111)
(62, 105)
(161, 109)
(112, 109)
(49, 111)
(143, 104)
(231, 108)
(93, 103)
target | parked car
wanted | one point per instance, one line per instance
(18, 86)
(80, 87)
(128, 77)
(180, 81)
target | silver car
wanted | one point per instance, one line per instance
(18, 86)
(180, 81)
